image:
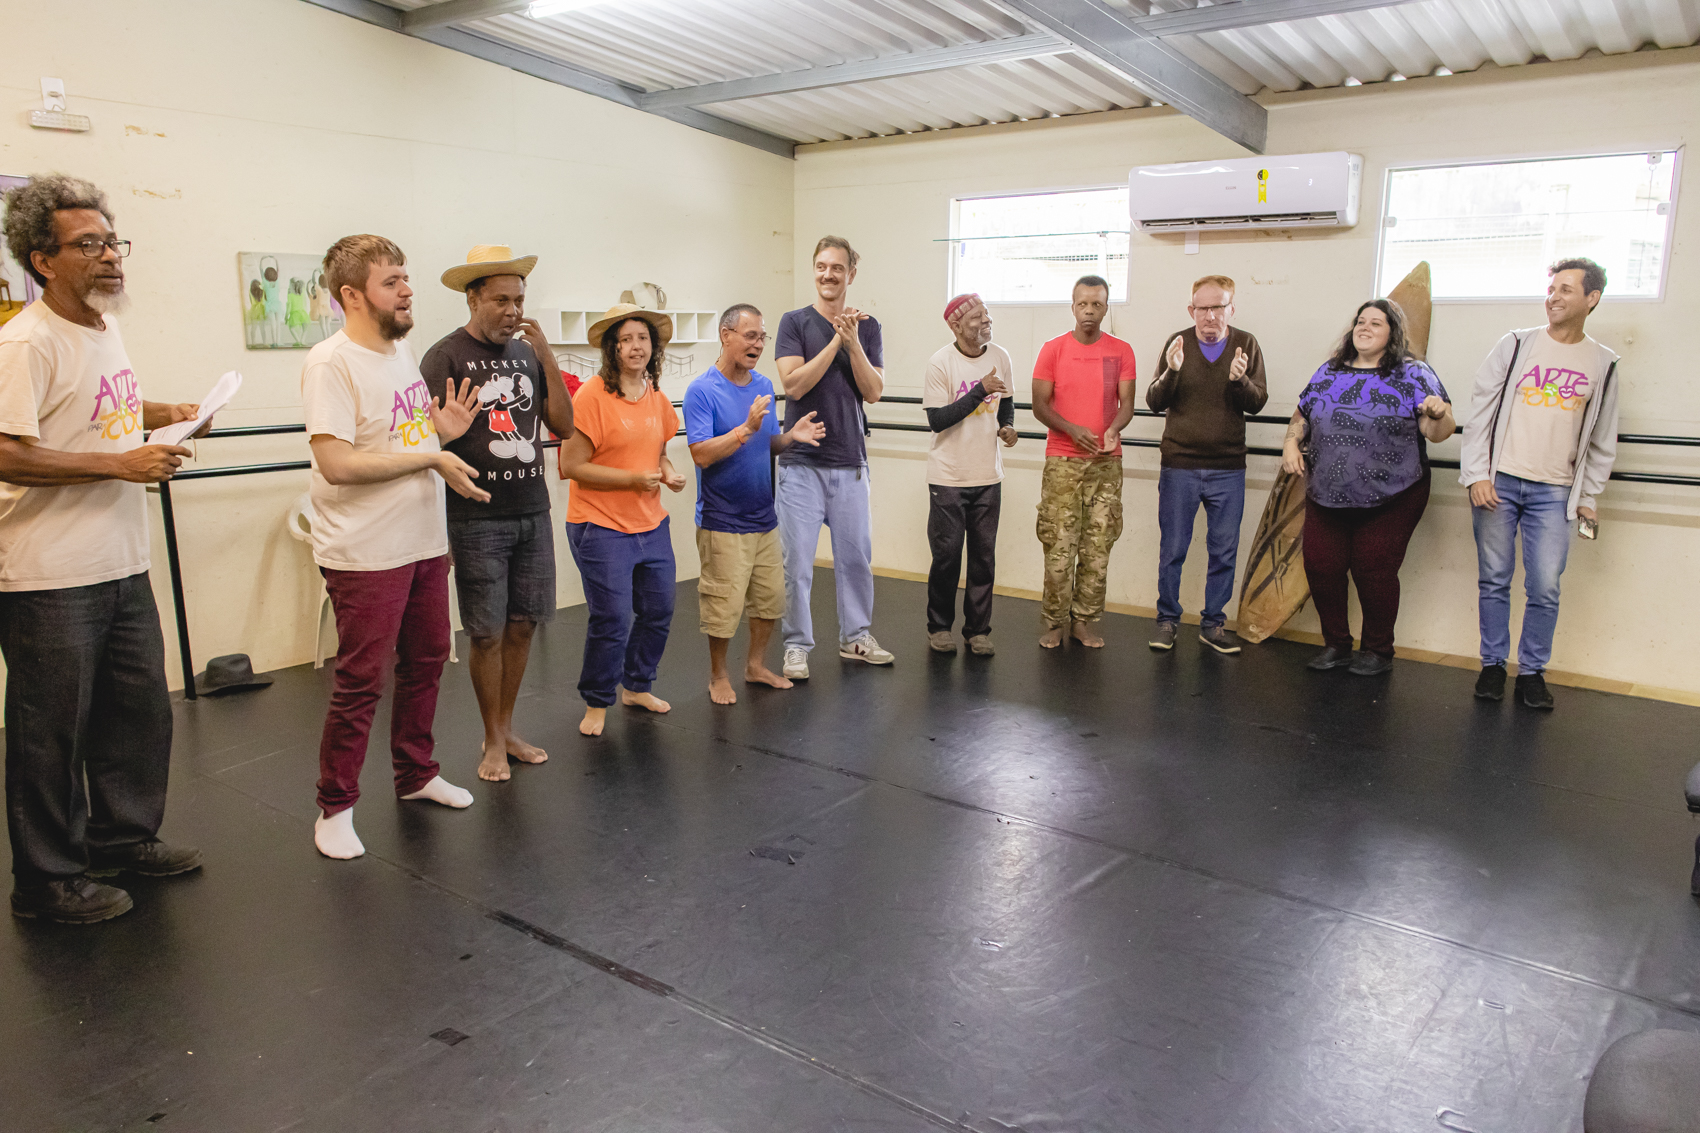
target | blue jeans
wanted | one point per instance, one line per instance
(88, 723)
(624, 575)
(807, 497)
(1538, 511)
(1179, 492)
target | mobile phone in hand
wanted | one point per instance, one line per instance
(1588, 528)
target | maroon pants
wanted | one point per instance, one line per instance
(404, 613)
(1369, 542)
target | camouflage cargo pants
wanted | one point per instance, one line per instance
(1080, 519)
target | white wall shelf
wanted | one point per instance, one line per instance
(568, 327)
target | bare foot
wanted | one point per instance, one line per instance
(1088, 636)
(591, 725)
(762, 675)
(524, 752)
(644, 700)
(720, 690)
(1051, 638)
(493, 768)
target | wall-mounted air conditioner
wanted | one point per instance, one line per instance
(1307, 190)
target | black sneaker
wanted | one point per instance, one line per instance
(1219, 639)
(1368, 664)
(150, 859)
(1694, 881)
(1330, 658)
(1532, 690)
(1163, 636)
(70, 900)
(1491, 684)
(1693, 789)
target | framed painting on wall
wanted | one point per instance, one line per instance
(17, 289)
(285, 304)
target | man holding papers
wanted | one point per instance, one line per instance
(88, 717)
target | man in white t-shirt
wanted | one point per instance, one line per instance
(967, 400)
(1538, 449)
(88, 715)
(379, 533)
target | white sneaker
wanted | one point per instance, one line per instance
(796, 663)
(865, 648)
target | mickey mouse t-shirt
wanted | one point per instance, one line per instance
(504, 442)
(377, 403)
(1363, 432)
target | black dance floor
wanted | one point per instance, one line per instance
(1082, 891)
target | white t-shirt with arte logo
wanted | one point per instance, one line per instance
(377, 403)
(71, 389)
(1553, 388)
(968, 454)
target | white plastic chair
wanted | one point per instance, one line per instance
(298, 521)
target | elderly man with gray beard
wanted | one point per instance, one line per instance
(88, 716)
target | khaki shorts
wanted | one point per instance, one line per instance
(740, 573)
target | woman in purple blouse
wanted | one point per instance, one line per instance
(1359, 433)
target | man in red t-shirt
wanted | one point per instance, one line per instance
(1083, 391)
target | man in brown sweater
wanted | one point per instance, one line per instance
(1209, 377)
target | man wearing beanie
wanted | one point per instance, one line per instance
(969, 409)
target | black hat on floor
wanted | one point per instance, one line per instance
(232, 672)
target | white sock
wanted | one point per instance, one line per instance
(335, 835)
(440, 790)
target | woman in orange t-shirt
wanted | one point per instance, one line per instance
(616, 524)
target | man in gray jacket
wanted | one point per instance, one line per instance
(1538, 449)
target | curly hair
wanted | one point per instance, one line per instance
(29, 214)
(1397, 346)
(610, 369)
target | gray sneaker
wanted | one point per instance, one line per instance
(981, 645)
(941, 642)
(1219, 639)
(796, 663)
(865, 648)
(1163, 636)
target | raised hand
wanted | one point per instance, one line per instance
(459, 475)
(1237, 368)
(1176, 354)
(454, 414)
(532, 331)
(808, 431)
(846, 324)
(151, 464)
(758, 412)
(994, 384)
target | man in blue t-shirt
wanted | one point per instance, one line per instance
(829, 358)
(737, 536)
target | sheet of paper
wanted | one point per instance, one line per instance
(217, 398)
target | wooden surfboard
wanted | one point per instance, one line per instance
(1275, 587)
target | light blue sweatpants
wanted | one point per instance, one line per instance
(805, 498)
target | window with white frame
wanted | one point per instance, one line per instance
(1032, 247)
(1490, 230)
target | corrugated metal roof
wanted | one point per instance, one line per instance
(667, 44)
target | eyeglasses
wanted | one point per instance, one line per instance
(753, 339)
(1217, 310)
(93, 249)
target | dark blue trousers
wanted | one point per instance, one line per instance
(629, 582)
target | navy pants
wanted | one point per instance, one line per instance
(1180, 491)
(88, 723)
(629, 582)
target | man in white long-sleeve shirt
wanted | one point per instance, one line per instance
(1538, 449)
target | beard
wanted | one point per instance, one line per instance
(106, 302)
(393, 325)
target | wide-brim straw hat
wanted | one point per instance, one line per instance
(620, 312)
(486, 260)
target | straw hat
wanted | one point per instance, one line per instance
(486, 260)
(626, 309)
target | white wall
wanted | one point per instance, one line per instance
(275, 125)
(1627, 617)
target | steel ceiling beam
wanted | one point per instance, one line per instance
(1249, 13)
(457, 12)
(1106, 35)
(1031, 46)
(554, 71)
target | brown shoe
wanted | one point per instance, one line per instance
(70, 900)
(981, 645)
(941, 642)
